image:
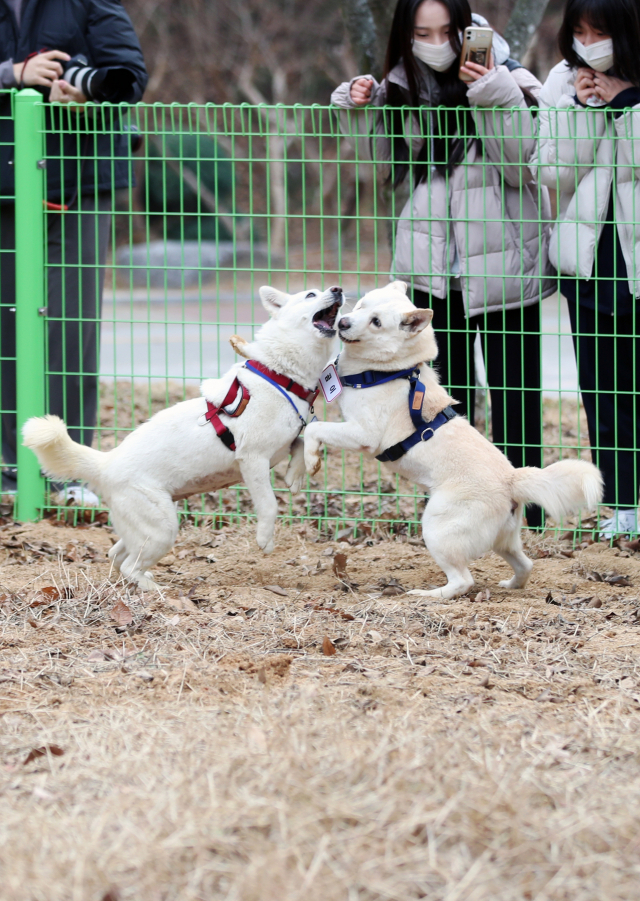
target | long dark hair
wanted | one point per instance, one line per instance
(620, 19)
(445, 150)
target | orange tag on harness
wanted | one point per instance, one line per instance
(418, 397)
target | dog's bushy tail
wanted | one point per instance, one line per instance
(61, 457)
(562, 488)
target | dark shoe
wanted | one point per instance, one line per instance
(10, 480)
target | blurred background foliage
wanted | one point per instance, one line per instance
(296, 51)
(270, 51)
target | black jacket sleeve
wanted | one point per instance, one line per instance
(112, 42)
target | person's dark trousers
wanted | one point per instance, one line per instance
(76, 252)
(511, 350)
(608, 358)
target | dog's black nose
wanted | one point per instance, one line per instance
(336, 289)
(344, 323)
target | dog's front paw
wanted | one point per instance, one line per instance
(312, 462)
(312, 458)
(240, 345)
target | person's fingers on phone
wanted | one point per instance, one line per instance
(469, 74)
(474, 70)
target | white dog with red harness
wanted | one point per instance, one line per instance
(396, 410)
(244, 423)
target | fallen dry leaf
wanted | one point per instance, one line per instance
(121, 614)
(41, 752)
(277, 590)
(328, 647)
(340, 566)
(335, 611)
(54, 594)
(594, 577)
(614, 578)
(182, 604)
(391, 586)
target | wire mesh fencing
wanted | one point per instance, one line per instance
(147, 231)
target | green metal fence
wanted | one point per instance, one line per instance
(155, 254)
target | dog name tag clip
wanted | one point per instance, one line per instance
(330, 383)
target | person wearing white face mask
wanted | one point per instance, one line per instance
(589, 146)
(472, 239)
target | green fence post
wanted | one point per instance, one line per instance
(30, 290)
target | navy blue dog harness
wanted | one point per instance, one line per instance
(423, 430)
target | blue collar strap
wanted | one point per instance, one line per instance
(376, 377)
(263, 375)
(424, 431)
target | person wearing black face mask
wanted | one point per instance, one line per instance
(473, 238)
(39, 41)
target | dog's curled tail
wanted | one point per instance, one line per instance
(60, 456)
(561, 488)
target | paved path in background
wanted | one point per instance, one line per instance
(176, 336)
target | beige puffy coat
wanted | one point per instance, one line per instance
(578, 150)
(489, 214)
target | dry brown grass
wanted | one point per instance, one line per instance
(468, 751)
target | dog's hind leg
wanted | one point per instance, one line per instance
(255, 474)
(509, 546)
(459, 578)
(117, 554)
(148, 524)
(444, 536)
(296, 469)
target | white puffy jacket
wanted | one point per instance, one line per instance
(490, 214)
(579, 149)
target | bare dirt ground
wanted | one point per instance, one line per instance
(297, 727)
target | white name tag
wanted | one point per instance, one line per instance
(330, 383)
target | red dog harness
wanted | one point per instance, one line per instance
(237, 398)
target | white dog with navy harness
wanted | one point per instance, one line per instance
(244, 423)
(395, 409)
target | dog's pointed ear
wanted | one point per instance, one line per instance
(415, 321)
(272, 299)
(400, 286)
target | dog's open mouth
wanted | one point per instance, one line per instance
(325, 320)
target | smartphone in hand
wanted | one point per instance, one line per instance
(476, 47)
